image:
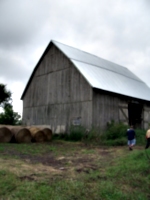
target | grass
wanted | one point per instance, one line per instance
(94, 172)
(28, 149)
(132, 173)
(78, 166)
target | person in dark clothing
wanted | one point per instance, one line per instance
(131, 137)
(148, 139)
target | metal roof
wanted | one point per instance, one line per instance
(106, 75)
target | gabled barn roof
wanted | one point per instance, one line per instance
(103, 74)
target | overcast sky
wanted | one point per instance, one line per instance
(116, 30)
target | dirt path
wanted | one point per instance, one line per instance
(67, 160)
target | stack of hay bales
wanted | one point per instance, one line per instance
(20, 134)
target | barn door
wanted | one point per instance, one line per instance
(123, 113)
(135, 114)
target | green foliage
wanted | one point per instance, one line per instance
(76, 133)
(115, 130)
(9, 116)
(93, 134)
(79, 133)
(140, 136)
(5, 95)
(115, 134)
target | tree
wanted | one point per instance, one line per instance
(5, 95)
(8, 116)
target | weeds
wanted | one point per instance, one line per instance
(114, 135)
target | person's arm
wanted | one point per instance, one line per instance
(146, 134)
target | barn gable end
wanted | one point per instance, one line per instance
(58, 95)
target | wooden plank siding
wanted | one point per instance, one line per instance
(57, 94)
(109, 107)
(146, 116)
(105, 108)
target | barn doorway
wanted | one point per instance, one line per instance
(135, 114)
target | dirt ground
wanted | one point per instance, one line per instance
(67, 160)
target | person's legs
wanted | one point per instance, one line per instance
(132, 143)
(130, 147)
(148, 143)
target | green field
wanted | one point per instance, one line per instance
(63, 170)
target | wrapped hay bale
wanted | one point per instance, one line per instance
(5, 134)
(48, 133)
(37, 134)
(21, 134)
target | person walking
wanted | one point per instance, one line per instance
(131, 138)
(148, 139)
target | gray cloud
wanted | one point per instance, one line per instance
(115, 30)
(13, 68)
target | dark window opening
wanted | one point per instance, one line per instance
(135, 114)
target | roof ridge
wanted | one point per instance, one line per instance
(139, 80)
(88, 53)
(99, 59)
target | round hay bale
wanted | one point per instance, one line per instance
(37, 134)
(22, 135)
(48, 133)
(5, 134)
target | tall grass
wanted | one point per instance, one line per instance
(114, 135)
(80, 133)
(140, 136)
(76, 133)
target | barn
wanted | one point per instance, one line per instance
(72, 87)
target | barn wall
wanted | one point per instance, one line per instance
(146, 115)
(108, 107)
(58, 95)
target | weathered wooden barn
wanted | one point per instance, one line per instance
(69, 86)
